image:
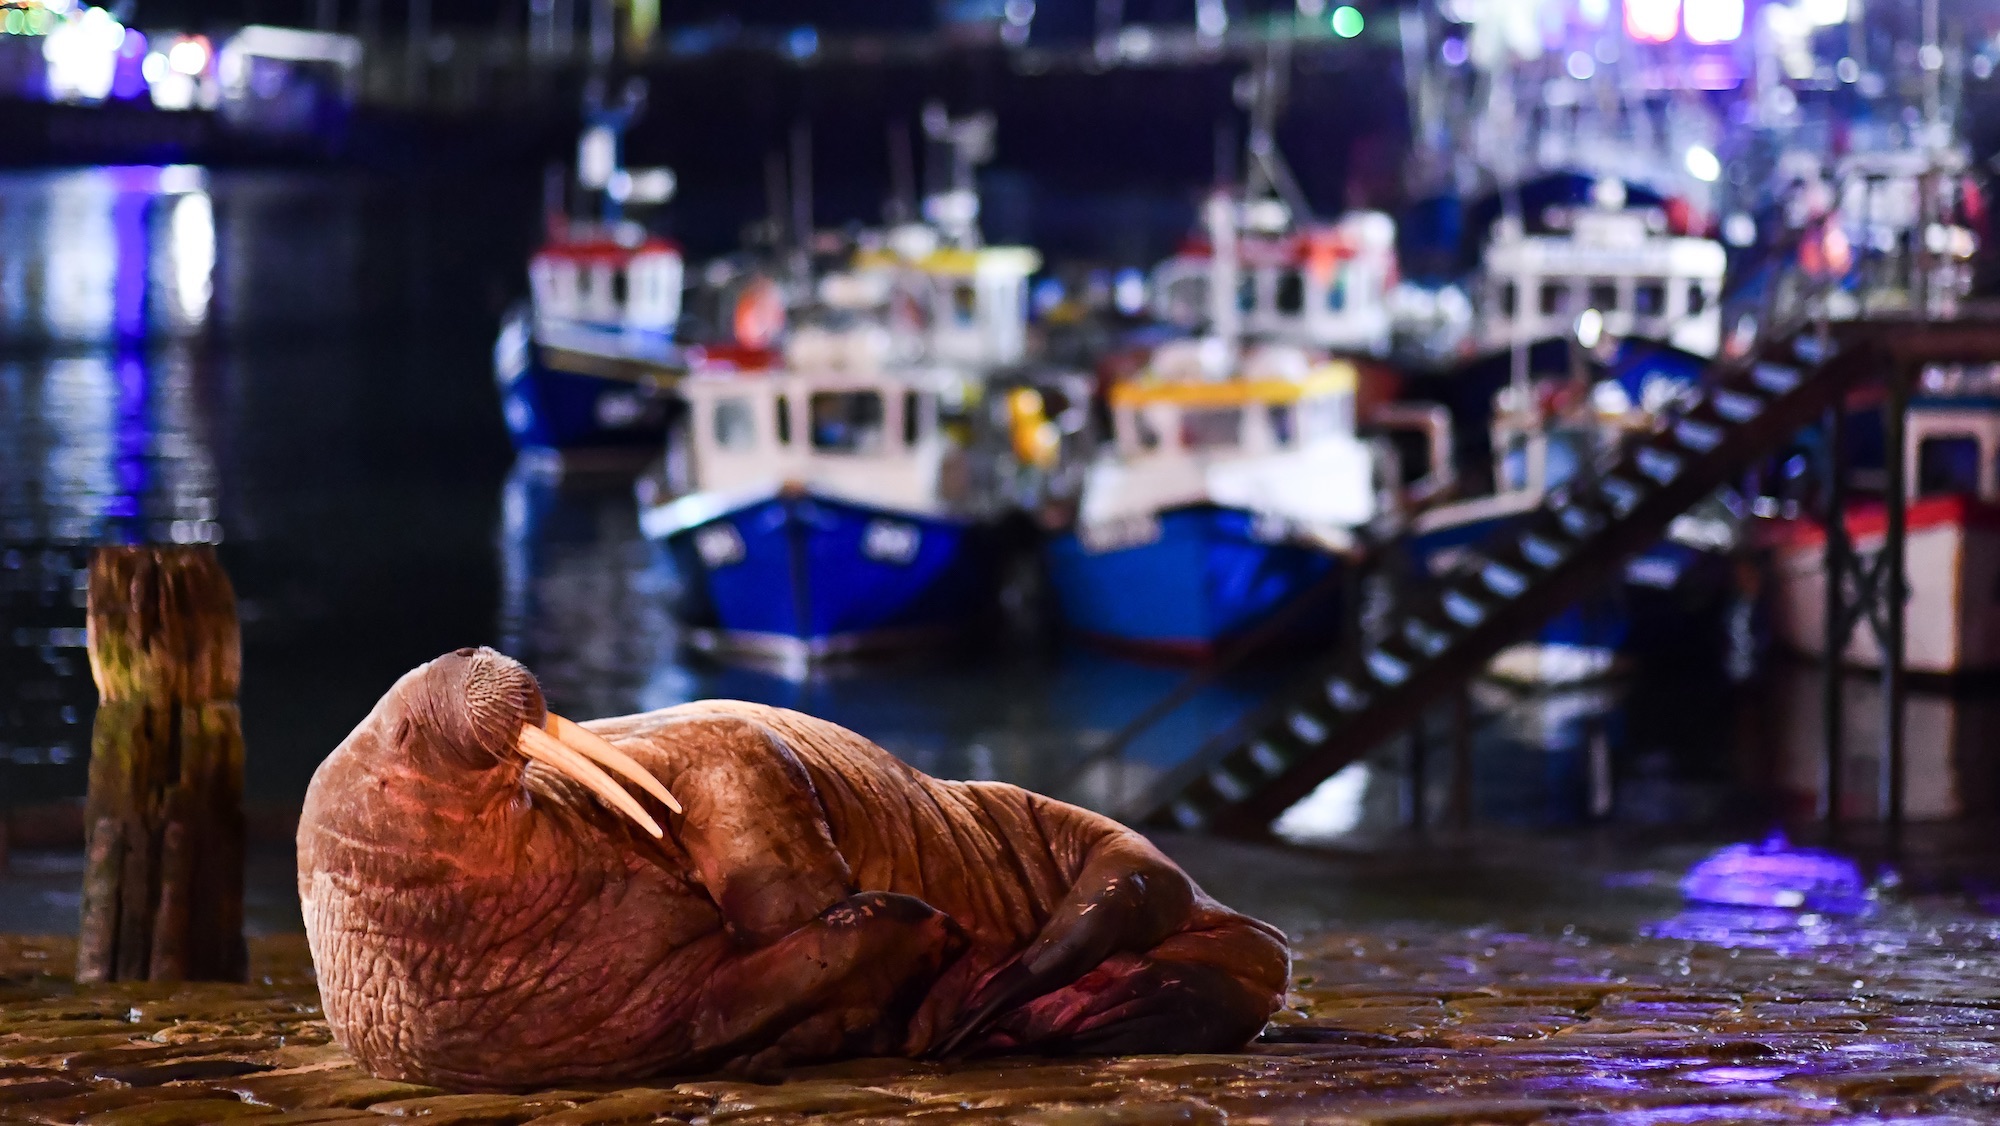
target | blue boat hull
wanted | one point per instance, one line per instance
(549, 408)
(811, 576)
(1203, 580)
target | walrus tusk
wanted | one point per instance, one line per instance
(600, 750)
(545, 748)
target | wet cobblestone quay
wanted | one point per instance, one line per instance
(1897, 1020)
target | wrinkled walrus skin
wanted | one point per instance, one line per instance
(480, 921)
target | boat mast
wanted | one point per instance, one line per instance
(967, 142)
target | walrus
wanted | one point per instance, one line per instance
(490, 907)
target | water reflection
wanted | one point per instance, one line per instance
(1949, 770)
(99, 255)
(104, 435)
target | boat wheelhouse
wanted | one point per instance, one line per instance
(1322, 286)
(1614, 260)
(1951, 556)
(830, 514)
(958, 307)
(1219, 504)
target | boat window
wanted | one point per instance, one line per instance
(964, 302)
(1948, 463)
(735, 424)
(1514, 464)
(1649, 298)
(1212, 429)
(1554, 297)
(621, 287)
(848, 422)
(913, 418)
(1246, 293)
(1568, 451)
(1336, 294)
(784, 420)
(1291, 292)
(1185, 300)
(1320, 417)
(1143, 431)
(1284, 423)
(1507, 299)
(1604, 295)
(1697, 299)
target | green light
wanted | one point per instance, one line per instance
(1347, 21)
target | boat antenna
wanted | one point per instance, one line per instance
(953, 205)
(1266, 172)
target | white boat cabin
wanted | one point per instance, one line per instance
(958, 307)
(1612, 259)
(1317, 287)
(1953, 433)
(607, 284)
(868, 436)
(1277, 438)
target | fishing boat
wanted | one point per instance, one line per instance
(1219, 502)
(588, 362)
(830, 513)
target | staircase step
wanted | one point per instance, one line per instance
(1622, 494)
(1699, 437)
(1778, 379)
(1736, 406)
(1658, 464)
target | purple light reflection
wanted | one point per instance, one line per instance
(1776, 875)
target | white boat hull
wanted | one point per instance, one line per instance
(1952, 567)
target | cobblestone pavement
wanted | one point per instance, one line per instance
(1741, 1020)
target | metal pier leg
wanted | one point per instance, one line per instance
(1835, 566)
(1461, 760)
(1890, 588)
(1419, 776)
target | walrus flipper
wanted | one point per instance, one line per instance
(1127, 899)
(844, 984)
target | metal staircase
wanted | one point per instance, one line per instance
(1444, 632)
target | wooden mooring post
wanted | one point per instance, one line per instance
(163, 876)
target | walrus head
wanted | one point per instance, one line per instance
(476, 709)
(454, 864)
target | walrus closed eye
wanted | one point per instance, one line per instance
(500, 898)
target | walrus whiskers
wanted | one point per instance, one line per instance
(545, 748)
(600, 750)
